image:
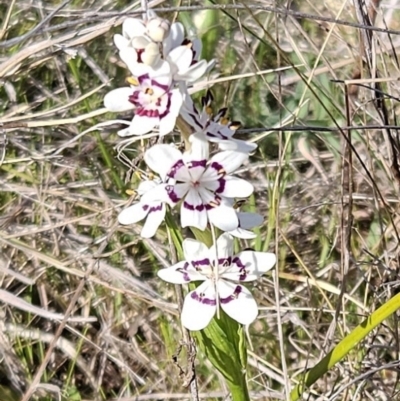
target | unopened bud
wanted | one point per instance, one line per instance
(151, 54)
(157, 29)
(139, 42)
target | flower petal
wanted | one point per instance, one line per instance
(237, 145)
(175, 37)
(182, 57)
(155, 217)
(193, 73)
(156, 194)
(193, 211)
(229, 160)
(142, 124)
(176, 193)
(199, 307)
(132, 27)
(236, 188)
(249, 266)
(224, 246)
(199, 147)
(118, 100)
(161, 158)
(133, 214)
(194, 250)
(242, 233)
(129, 56)
(180, 273)
(146, 185)
(237, 302)
(120, 41)
(249, 220)
(223, 217)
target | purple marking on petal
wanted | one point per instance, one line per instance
(225, 261)
(197, 163)
(161, 86)
(168, 106)
(139, 55)
(134, 98)
(216, 202)
(217, 166)
(232, 297)
(143, 78)
(202, 299)
(202, 262)
(221, 187)
(222, 136)
(198, 208)
(174, 169)
(151, 113)
(157, 208)
(172, 194)
(242, 268)
(184, 271)
(195, 120)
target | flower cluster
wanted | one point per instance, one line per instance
(163, 64)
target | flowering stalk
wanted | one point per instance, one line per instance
(200, 184)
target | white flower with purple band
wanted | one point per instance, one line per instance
(221, 274)
(203, 186)
(152, 97)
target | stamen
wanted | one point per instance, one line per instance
(132, 81)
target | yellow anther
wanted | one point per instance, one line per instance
(149, 91)
(223, 121)
(132, 81)
(209, 110)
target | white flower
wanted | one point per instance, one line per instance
(135, 44)
(220, 281)
(217, 129)
(204, 186)
(154, 41)
(155, 102)
(154, 211)
(183, 65)
(184, 55)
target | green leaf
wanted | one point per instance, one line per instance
(223, 343)
(346, 345)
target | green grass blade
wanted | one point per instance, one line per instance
(346, 345)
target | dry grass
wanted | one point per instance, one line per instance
(83, 316)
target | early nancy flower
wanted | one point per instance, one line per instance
(217, 128)
(221, 273)
(204, 186)
(151, 95)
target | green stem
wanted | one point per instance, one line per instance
(110, 163)
(239, 391)
(346, 345)
(223, 342)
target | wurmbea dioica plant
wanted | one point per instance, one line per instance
(198, 181)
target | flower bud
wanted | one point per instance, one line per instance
(139, 42)
(157, 29)
(151, 54)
